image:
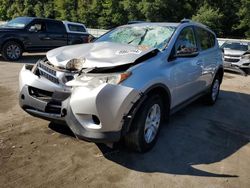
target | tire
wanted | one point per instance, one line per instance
(12, 51)
(138, 139)
(214, 91)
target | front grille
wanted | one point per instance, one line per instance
(47, 72)
(231, 60)
(234, 55)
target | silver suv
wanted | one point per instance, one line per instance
(126, 83)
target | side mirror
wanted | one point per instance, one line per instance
(33, 29)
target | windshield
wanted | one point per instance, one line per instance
(144, 36)
(20, 22)
(236, 46)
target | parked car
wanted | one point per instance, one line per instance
(233, 51)
(126, 83)
(243, 64)
(30, 34)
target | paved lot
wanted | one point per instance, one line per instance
(201, 147)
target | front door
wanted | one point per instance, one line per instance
(186, 70)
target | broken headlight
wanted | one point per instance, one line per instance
(92, 80)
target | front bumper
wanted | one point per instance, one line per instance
(92, 114)
(41, 97)
(99, 114)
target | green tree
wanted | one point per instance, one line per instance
(111, 14)
(244, 14)
(210, 17)
(39, 9)
(28, 8)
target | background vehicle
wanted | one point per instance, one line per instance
(232, 51)
(30, 34)
(243, 64)
(126, 83)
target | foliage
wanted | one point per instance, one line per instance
(228, 18)
(209, 16)
(244, 14)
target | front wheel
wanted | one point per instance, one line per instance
(146, 125)
(212, 96)
(12, 51)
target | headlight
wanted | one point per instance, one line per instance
(75, 64)
(245, 56)
(93, 81)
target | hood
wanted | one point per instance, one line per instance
(97, 54)
(231, 52)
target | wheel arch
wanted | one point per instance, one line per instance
(160, 89)
(14, 40)
(220, 73)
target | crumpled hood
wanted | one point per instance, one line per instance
(97, 54)
(231, 52)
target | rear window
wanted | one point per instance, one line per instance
(55, 27)
(207, 39)
(76, 28)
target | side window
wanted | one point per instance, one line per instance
(207, 39)
(186, 42)
(38, 26)
(76, 28)
(55, 27)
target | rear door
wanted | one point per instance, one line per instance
(56, 33)
(186, 71)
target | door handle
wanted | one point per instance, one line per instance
(46, 38)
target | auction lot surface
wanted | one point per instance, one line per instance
(202, 146)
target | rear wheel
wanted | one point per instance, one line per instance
(212, 96)
(12, 51)
(146, 125)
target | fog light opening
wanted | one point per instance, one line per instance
(22, 97)
(96, 120)
(64, 112)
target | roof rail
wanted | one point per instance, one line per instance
(191, 21)
(186, 20)
(135, 22)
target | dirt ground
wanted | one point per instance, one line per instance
(202, 146)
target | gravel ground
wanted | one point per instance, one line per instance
(202, 146)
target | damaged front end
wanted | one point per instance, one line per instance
(99, 105)
(97, 113)
(42, 89)
(91, 100)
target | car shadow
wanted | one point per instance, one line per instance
(196, 135)
(62, 129)
(27, 58)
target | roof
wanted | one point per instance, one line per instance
(141, 24)
(76, 23)
(39, 18)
